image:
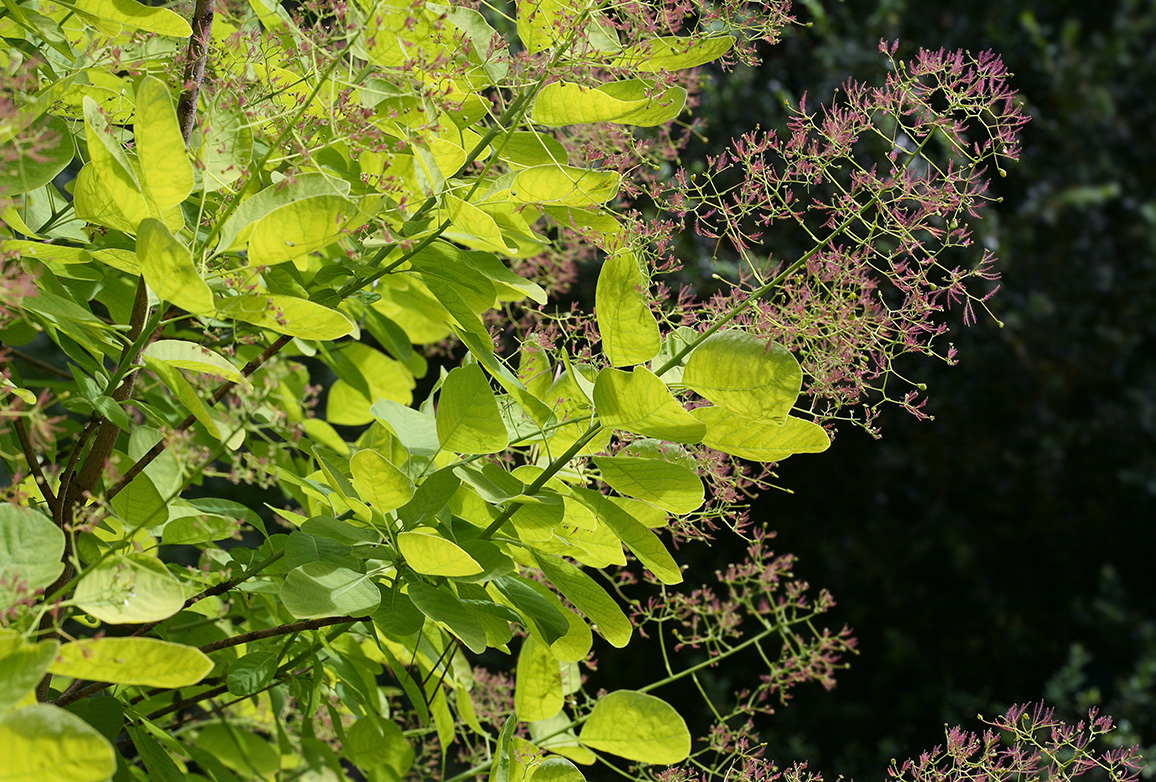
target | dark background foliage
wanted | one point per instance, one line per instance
(1001, 553)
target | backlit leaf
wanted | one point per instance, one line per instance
(641, 403)
(629, 329)
(237, 229)
(292, 231)
(637, 726)
(135, 16)
(43, 743)
(22, 666)
(379, 482)
(286, 315)
(166, 173)
(196, 358)
(54, 151)
(746, 375)
(31, 548)
(433, 555)
(630, 102)
(144, 662)
(589, 598)
(643, 543)
(670, 486)
(167, 266)
(564, 186)
(672, 53)
(538, 684)
(468, 420)
(758, 441)
(129, 589)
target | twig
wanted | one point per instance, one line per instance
(272, 632)
(34, 463)
(195, 71)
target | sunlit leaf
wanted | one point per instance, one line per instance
(672, 53)
(196, 358)
(758, 441)
(564, 186)
(22, 666)
(637, 726)
(746, 375)
(589, 598)
(643, 543)
(379, 482)
(54, 151)
(670, 486)
(433, 555)
(166, 173)
(235, 232)
(629, 329)
(286, 315)
(135, 16)
(292, 231)
(538, 683)
(167, 266)
(145, 662)
(468, 420)
(129, 589)
(630, 102)
(31, 550)
(641, 403)
(43, 743)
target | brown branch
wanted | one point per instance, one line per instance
(189, 420)
(33, 462)
(195, 70)
(40, 364)
(273, 632)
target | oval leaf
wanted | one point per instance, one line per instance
(43, 743)
(564, 186)
(637, 726)
(468, 420)
(760, 442)
(167, 266)
(296, 229)
(379, 482)
(194, 357)
(670, 486)
(538, 686)
(143, 662)
(628, 327)
(290, 315)
(745, 374)
(319, 589)
(166, 173)
(433, 555)
(641, 403)
(630, 102)
(31, 548)
(129, 589)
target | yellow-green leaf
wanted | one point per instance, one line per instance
(433, 555)
(673, 53)
(22, 666)
(668, 485)
(290, 315)
(129, 589)
(318, 589)
(386, 379)
(167, 266)
(750, 377)
(43, 743)
(641, 403)
(468, 419)
(166, 174)
(630, 102)
(564, 186)
(589, 598)
(292, 231)
(379, 482)
(538, 686)
(143, 662)
(185, 392)
(136, 16)
(31, 548)
(643, 543)
(629, 329)
(194, 357)
(637, 726)
(758, 441)
(473, 227)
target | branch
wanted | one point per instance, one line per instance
(272, 632)
(34, 463)
(195, 70)
(189, 420)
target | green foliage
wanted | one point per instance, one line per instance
(332, 196)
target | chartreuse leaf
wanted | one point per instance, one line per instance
(386, 379)
(318, 589)
(54, 151)
(22, 666)
(31, 551)
(379, 482)
(629, 329)
(238, 748)
(473, 227)
(643, 543)
(290, 315)
(43, 743)
(668, 485)
(530, 148)
(433, 555)
(167, 266)
(630, 102)
(542, 24)
(637, 726)
(548, 619)
(371, 742)
(641, 403)
(129, 589)
(135, 16)
(760, 442)
(104, 148)
(746, 375)
(589, 598)
(196, 358)
(142, 662)
(166, 173)
(468, 420)
(564, 186)
(557, 770)
(292, 231)
(673, 53)
(184, 392)
(538, 686)
(237, 229)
